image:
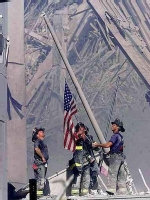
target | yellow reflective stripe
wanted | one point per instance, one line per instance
(84, 191)
(75, 191)
(39, 192)
(79, 148)
(75, 165)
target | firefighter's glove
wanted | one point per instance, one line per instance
(95, 144)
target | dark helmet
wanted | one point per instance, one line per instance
(119, 124)
(41, 129)
(78, 125)
(35, 132)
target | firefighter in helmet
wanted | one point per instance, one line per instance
(116, 173)
(83, 162)
(41, 157)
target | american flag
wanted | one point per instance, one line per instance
(70, 109)
(104, 168)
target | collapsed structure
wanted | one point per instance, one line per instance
(107, 45)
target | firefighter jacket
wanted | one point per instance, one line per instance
(83, 154)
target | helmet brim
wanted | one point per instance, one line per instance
(121, 127)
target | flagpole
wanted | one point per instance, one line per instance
(76, 84)
(143, 179)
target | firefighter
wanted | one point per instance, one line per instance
(80, 163)
(41, 157)
(85, 166)
(94, 169)
(116, 172)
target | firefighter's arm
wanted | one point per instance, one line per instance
(105, 145)
(38, 151)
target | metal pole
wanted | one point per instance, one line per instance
(102, 181)
(143, 179)
(76, 84)
(66, 185)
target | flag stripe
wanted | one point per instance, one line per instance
(68, 127)
(73, 107)
(71, 139)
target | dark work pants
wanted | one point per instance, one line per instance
(94, 172)
(40, 175)
(116, 174)
(81, 181)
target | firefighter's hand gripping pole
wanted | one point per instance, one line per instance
(75, 82)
